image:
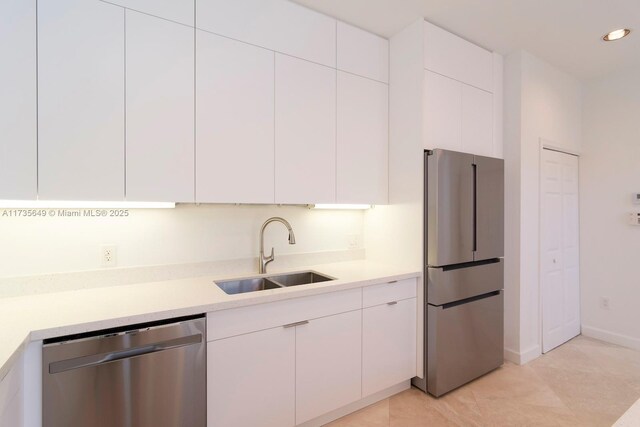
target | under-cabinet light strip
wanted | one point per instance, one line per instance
(68, 204)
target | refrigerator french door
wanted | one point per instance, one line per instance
(464, 245)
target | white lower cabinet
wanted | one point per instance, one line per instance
(251, 379)
(388, 345)
(289, 362)
(328, 364)
(12, 396)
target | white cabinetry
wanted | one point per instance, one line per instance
(388, 344)
(328, 364)
(18, 160)
(80, 100)
(12, 396)
(181, 11)
(234, 121)
(362, 141)
(251, 379)
(160, 109)
(280, 25)
(442, 122)
(477, 121)
(362, 53)
(305, 134)
(452, 56)
(457, 116)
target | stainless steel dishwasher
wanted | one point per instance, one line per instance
(151, 374)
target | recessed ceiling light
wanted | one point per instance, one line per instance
(616, 35)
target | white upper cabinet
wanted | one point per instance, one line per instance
(80, 100)
(160, 109)
(453, 56)
(362, 144)
(181, 11)
(442, 103)
(234, 121)
(279, 25)
(305, 120)
(328, 364)
(477, 120)
(362, 53)
(18, 162)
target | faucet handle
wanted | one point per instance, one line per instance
(270, 257)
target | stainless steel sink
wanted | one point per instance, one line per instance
(303, 278)
(253, 284)
(247, 285)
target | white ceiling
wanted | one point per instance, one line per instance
(565, 33)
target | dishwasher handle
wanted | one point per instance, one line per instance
(99, 359)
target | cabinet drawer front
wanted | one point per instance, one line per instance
(388, 345)
(227, 323)
(388, 292)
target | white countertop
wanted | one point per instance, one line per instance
(37, 317)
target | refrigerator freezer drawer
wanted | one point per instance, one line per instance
(464, 342)
(449, 285)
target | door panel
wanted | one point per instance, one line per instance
(245, 388)
(450, 208)
(559, 253)
(489, 208)
(328, 364)
(80, 100)
(160, 112)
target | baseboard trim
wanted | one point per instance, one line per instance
(524, 357)
(611, 337)
(357, 405)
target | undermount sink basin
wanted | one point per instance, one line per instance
(304, 278)
(253, 284)
(247, 285)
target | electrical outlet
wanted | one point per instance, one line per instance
(352, 240)
(604, 303)
(109, 255)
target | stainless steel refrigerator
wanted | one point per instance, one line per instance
(464, 246)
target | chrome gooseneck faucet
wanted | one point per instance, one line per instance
(262, 268)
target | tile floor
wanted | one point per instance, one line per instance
(584, 382)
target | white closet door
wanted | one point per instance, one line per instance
(559, 277)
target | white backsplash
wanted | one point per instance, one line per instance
(161, 244)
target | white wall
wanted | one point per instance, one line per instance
(541, 102)
(187, 234)
(609, 174)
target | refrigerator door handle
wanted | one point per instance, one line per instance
(475, 209)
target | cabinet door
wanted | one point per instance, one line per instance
(477, 121)
(328, 364)
(305, 132)
(160, 104)
(442, 112)
(181, 11)
(453, 56)
(80, 100)
(18, 100)
(388, 345)
(280, 25)
(251, 379)
(362, 156)
(362, 53)
(234, 121)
